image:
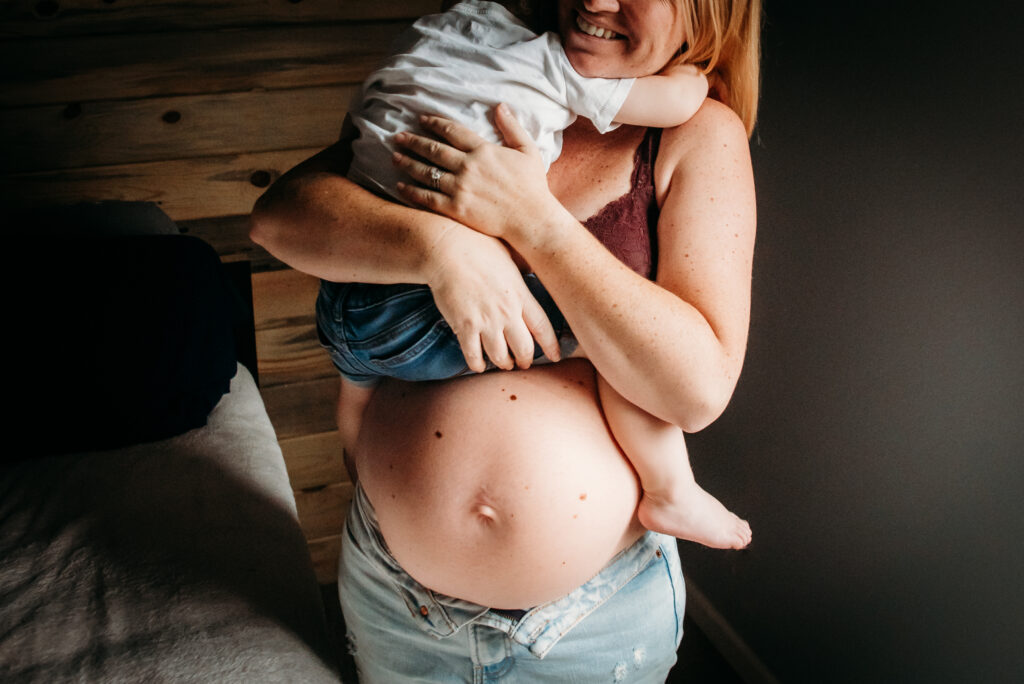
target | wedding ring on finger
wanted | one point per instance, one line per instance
(435, 177)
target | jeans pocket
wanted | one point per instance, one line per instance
(430, 353)
(395, 331)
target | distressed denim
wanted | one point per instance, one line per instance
(624, 625)
(396, 331)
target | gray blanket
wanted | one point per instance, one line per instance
(179, 560)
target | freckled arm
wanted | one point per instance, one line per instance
(675, 346)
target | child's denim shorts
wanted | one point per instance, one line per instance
(624, 625)
(396, 331)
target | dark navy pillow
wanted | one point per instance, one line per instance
(119, 340)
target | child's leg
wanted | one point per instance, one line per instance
(673, 502)
(352, 401)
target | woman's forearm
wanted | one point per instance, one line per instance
(319, 222)
(657, 350)
(675, 346)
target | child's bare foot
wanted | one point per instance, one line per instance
(694, 515)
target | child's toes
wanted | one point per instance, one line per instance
(742, 532)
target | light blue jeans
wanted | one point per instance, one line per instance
(624, 625)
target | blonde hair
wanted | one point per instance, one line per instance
(723, 37)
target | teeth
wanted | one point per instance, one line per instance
(595, 31)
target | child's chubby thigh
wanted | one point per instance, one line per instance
(505, 489)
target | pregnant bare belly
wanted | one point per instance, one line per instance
(505, 489)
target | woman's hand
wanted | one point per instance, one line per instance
(499, 191)
(481, 294)
(316, 220)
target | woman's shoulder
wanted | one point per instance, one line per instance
(714, 133)
(714, 124)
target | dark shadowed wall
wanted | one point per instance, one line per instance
(876, 439)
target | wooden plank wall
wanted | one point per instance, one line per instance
(198, 107)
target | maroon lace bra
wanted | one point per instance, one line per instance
(627, 226)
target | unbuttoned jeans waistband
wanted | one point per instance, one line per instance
(539, 629)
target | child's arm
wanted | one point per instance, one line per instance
(666, 99)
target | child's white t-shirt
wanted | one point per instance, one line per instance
(460, 64)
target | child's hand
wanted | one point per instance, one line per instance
(718, 88)
(688, 77)
(681, 70)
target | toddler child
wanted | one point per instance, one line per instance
(460, 64)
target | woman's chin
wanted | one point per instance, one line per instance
(586, 63)
(594, 57)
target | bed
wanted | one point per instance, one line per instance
(177, 556)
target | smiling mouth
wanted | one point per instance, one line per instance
(595, 31)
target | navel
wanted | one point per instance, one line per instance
(485, 514)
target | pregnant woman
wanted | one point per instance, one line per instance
(493, 532)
